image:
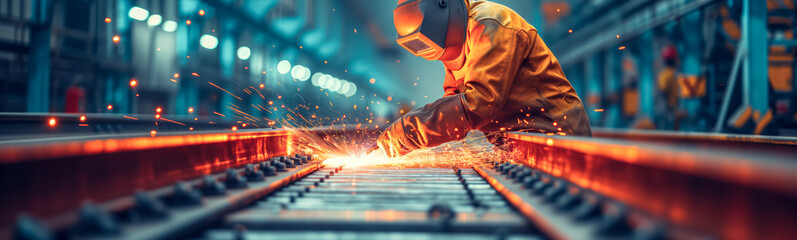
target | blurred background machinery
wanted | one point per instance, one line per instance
(686, 65)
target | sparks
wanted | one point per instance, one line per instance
(82, 118)
(201, 12)
(570, 31)
(187, 22)
(107, 20)
(234, 128)
(116, 39)
(190, 110)
(262, 85)
(225, 90)
(153, 133)
(110, 107)
(158, 110)
(52, 122)
(133, 83)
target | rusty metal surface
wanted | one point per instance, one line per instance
(729, 195)
(47, 177)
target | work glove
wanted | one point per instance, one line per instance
(390, 140)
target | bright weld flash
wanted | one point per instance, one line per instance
(353, 161)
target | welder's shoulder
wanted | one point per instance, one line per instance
(503, 15)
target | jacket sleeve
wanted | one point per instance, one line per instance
(450, 84)
(492, 64)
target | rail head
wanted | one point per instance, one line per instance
(722, 140)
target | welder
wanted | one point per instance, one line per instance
(500, 76)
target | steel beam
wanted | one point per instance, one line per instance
(646, 76)
(38, 98)
(756, 78)
(755, 72)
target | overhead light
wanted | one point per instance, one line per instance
(344, 87)
(154, 20)
(169, 26)
(243, 53)
(323, 80)
(306, 74)
(208, 41)
(315, 78)
(336, 85)
(284, 67)
(352, 90)
(138, 13)
(297, 72)
(329, 83)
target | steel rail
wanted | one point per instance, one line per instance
(53, 176)
(554, 230)
(715, 192)
(698, 139)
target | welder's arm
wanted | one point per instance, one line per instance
(434, 124)
(494, 61)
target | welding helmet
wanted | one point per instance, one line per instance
(427, 28)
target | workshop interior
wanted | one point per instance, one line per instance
(398, 119)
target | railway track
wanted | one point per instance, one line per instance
(250, 185)
(341, 203)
